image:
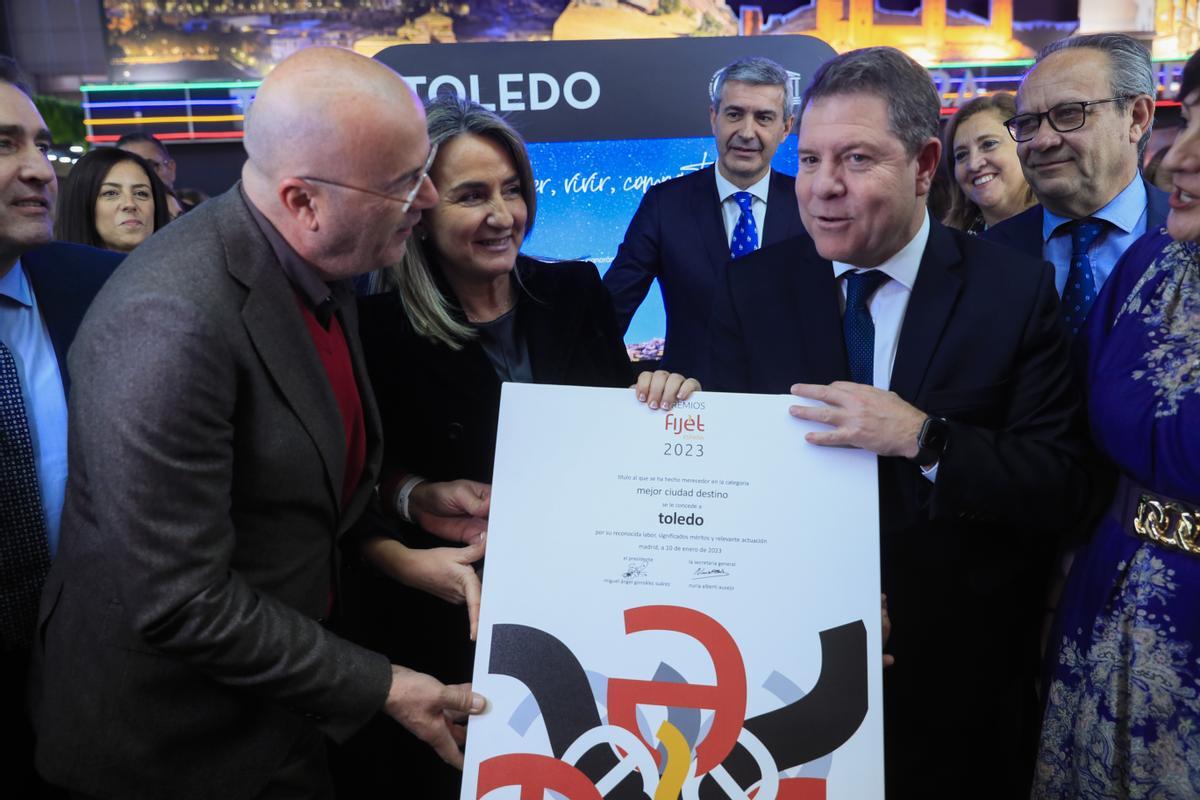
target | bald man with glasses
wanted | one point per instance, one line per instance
(1085, 111)
(225, 440)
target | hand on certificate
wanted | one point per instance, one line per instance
(861, 416)
(444, 572)
(456, 511)
(432, 711)
(888, 659)
(662, 389)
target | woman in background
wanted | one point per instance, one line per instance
(1123, 710)
(111, 199)
(463, 312)
(988, 185)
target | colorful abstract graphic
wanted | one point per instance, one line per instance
(728, 756)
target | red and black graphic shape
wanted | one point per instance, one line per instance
(816, 724)
(557, 682)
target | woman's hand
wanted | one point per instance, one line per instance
(456, 511)
(662, 389)
(444, 572)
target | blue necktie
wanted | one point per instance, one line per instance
(24, 551)
(857, 326)
(1080, 290)
(745, 233)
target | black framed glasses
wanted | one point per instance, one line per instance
(405, 200)
(1064, 117)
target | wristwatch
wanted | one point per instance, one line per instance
(932, 441)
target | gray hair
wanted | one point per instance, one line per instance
(431, 313)
(755, 71)
(914, 106)
(1131, 74)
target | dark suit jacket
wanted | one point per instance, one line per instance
(65, 277)
(1024, 231)
(181, 651)
(678, 236)
(440, 409)
(964, 560)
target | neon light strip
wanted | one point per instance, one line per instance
(158, 87)
(160, 103)
(1026, 62)
(163, 120)
(110, 137)
(947, 112)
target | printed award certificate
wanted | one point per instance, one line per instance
(679, 604)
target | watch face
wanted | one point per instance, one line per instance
(933, 435)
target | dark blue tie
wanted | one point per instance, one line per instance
(24, 552)
(1080, 291)
(857, 326)
(745, 233)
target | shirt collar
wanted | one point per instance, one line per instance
(903, 266)
(726, 189)
(324, 298)
(15, 286)
(1123, 211)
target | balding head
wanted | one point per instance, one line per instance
(330, 114)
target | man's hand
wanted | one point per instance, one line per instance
(445, 572)
(456, 511)
(662, 389)
(862, 416)
(433, 712)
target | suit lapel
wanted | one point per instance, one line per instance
(277, 329)
(815, 293)
(1157, 207)
(933, 297)
(710, 224)
(782, 219)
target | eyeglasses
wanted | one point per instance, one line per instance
(1064, 118)
(405, 200)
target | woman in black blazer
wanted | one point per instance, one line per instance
(463, 312)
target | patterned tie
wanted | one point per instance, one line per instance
(745, 233)
(24, 552)
(857, 325)
(1080, 291)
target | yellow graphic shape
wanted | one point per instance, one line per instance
(679, 755)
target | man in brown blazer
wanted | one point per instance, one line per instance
(224, 437)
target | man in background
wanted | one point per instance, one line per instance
(688, 229)
(1084, 114)
(45, 288)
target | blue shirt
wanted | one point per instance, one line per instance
(25, 334)
(1127, 214)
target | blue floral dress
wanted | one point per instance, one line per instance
(1123, 713)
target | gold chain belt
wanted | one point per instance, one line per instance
(1170, 523)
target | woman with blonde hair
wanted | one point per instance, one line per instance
(463, 312)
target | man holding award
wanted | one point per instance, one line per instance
(945, 356)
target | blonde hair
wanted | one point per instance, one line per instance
(432, 314)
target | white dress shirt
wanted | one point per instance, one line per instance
(731, 211)
(888, 305)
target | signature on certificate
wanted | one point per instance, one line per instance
(709, 572)
(637, 570)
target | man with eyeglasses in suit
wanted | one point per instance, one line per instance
(1084, 114)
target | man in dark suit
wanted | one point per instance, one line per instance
(687, 229)
(950, 362)
(224, 437)
(44, 290)
(1085, 111)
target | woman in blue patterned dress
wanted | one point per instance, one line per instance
(1123, 713)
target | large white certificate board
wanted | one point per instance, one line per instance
(677, 604)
